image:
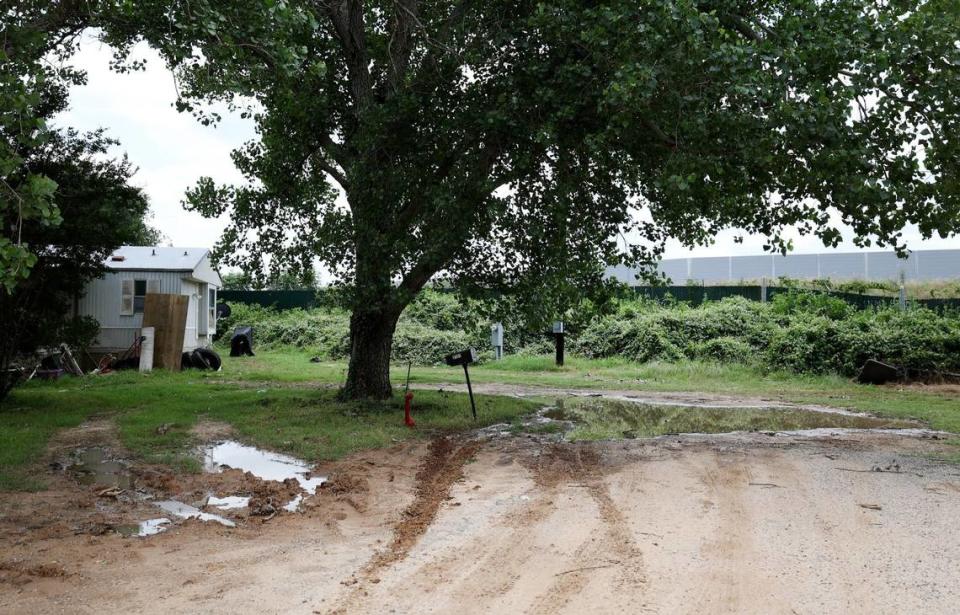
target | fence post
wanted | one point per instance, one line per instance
(763, 289)
(903, 291)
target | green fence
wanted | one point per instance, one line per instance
(280, 299)
(694, 295)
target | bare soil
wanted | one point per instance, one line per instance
(838, 522)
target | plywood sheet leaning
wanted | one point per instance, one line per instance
(167, 314)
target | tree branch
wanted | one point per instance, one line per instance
(400, 44)
(346, 16)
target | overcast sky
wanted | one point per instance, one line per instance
(171, 150)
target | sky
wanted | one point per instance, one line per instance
(172, 150)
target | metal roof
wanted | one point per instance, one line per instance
(155, 258)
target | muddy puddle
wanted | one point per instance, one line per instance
(185, 511)
(265, 465)
(143, 529)
(596, 418)
(231, 502)
(97, 468)
(94, 466)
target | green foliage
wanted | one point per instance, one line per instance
(804, 332)
(822, 304)
(99, 210)
(723, 349)
(649, 121)
(32, 89)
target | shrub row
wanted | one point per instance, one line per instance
(809, 333)
(799, 331)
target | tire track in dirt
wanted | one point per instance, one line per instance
(557, 465)
(440, 469)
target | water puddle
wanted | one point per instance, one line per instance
(595, 418)
(265, 465)
(93, 466)
(294, 504)
(149, 527)
(231, 502)
(185, 511)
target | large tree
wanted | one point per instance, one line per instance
(522, 144)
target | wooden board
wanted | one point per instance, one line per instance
(167, 314)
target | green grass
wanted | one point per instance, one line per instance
(282, 401)
(940, 409)
(308, 422)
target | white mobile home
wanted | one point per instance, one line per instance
(116, 300)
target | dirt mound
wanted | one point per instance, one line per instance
(344, 483)
(559, 463)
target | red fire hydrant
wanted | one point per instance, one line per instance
(407, 401)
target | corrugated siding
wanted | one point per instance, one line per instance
(920, 265)
(102, 301)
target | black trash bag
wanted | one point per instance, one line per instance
(186, 360)
(242, 342)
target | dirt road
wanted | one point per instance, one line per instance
(721, 524)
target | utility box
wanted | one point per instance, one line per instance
(496, 339)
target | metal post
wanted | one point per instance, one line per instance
(903, 292)
(763, 289)
(473, 406)
(558, 339)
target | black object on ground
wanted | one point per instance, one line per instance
(126, 363)
(242, 342)
(223, 310)
(877, 372)
(464, 358)
(201, 358)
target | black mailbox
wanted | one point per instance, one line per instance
(464, 357)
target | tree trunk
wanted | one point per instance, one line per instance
(371, 338)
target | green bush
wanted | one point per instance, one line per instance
(723, 349)
(809, 343)
(799, 330)
(806, 302)
(425, 345)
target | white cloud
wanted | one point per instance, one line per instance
(170, 149)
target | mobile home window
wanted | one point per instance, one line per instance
(132, 294)
(212, 305)
(139, 292)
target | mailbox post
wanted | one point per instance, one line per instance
(464, 358)
(496, 339)
(558, 337)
